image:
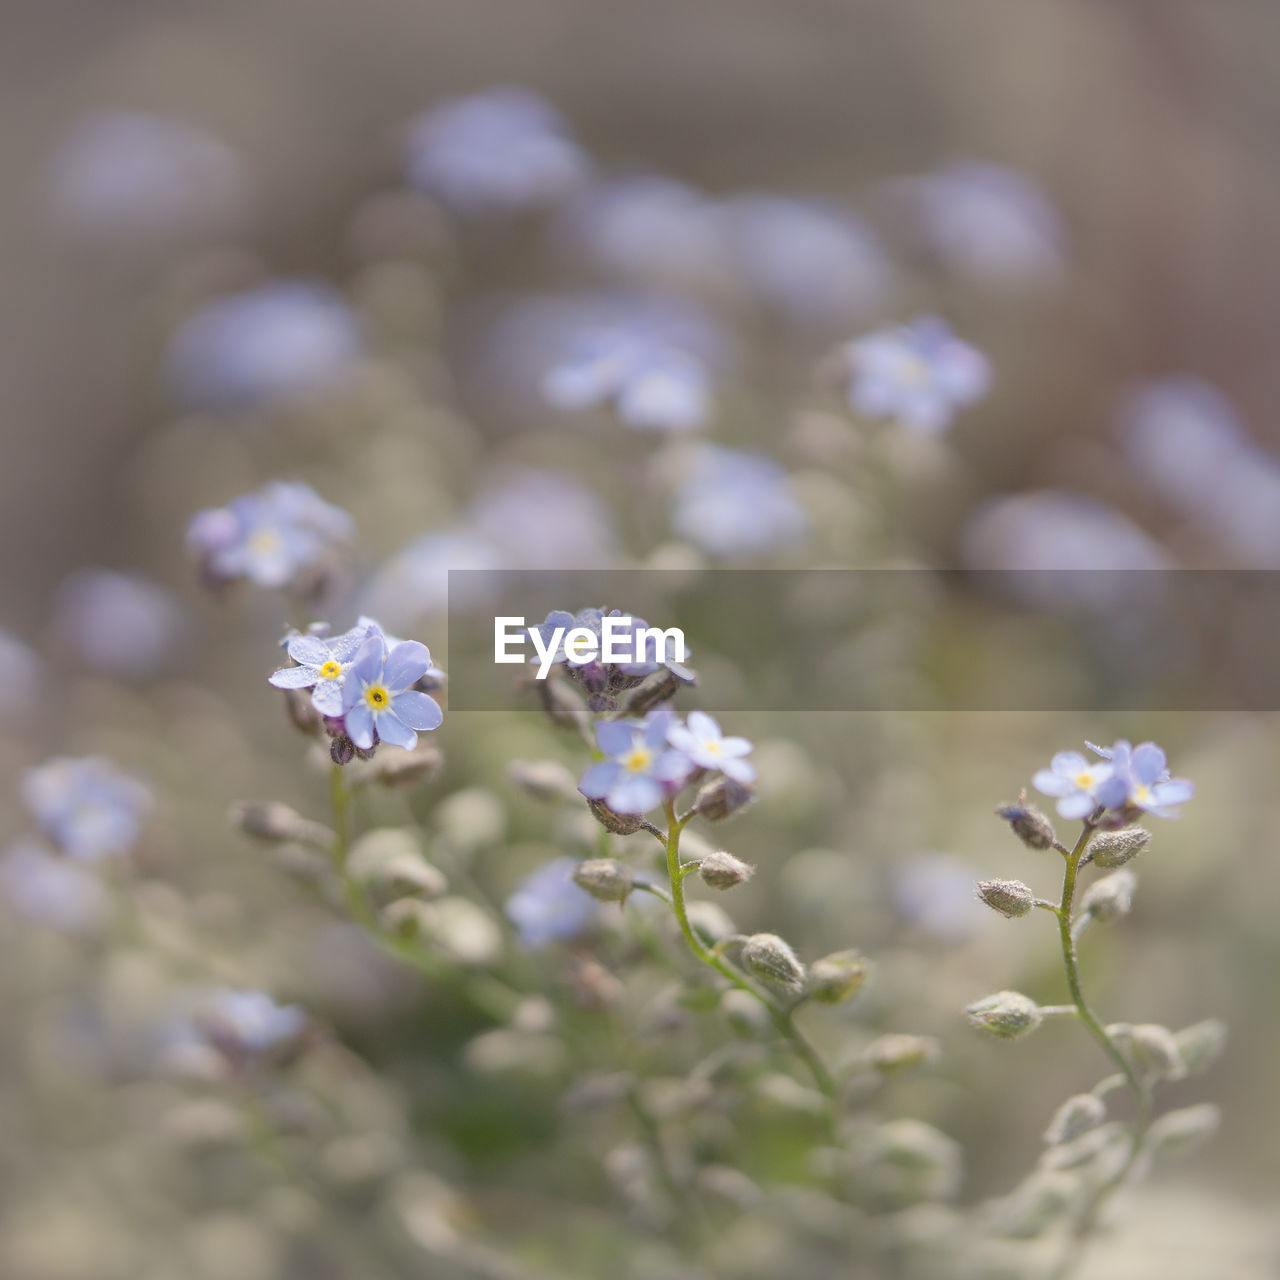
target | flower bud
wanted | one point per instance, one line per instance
(276, 823)
(899, 1052)
(722, 797)
(1199, 1045)
(1155, 1051)
(604, 878)
(544, 779)
(388, 859)
(1031, 826)
(1007, 1014)
(1115, 848)
(769, 958)
(563, 706)
(1077, 1115)
(621, 824)
(837, 977)
(745, 1014)
(1111, 897)
(341, 749)
(1181, 1130)
(1010, 898)
(399, 768)
(302, 714)
(721, 870)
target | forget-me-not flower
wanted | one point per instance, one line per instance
(917, 375)
(640, 768)
(119, 624)
(51, 890)
(548, 906)
(322, 667)
(700, 739)
(1080, 786)
(87, 807)
(249, 1023)
(1142, 779)
(378, 697)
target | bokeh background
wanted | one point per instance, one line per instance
(1148, 130)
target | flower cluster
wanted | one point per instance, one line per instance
(284, 536)
(364, 685)
(1122, 783)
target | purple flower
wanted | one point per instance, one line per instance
(548, 906)
(87, 807)
(639, 770)
(22, 676)
(917, 375)
(249, 1023)
(119, 624)
(277, 342)
(1141, 778)
(378, 698)
(1079, 785)
(51, 890)
(274, 538)
(700, 739)
(497, 152)
(323, 663)
(732, 503)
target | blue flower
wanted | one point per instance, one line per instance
(51, 890)
(323, 663)
(22, 676)
(378, 698)
(273, 343)
(1079, 786)
(274, 538)
(917, 375)
(650, 384)
(497, 152)
(1142, 779)
(88, 808)
(249, 1023)
(549, 907)
(732, 503)
(119, 624)
(700, 739)
(639, 770)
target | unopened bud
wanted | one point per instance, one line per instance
(621, 824)
(399, 768)
(341, 749)
(767, 957)
(721, 870)
(1115, 848)
(1111, 897)
(1077, 1115)
(302, 714)
(1010, 898)
(837, 977)
(388, 859)
(1155, 1051)
(1029, 824)
(721, 798)
(604, 878)
(1181, 1130)
(745, 1014)
(544, 779)
(900, 1052)
(1200, 1045)
(276, 823)
(654, 690)
(1007, 1014)
(563, 706)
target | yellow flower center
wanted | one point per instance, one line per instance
(1083, 780)
(638, 760)
(712, 747)
(377, 697)
(263, 541)
(1142, 794)
(331, 670)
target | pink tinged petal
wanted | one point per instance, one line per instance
(309, 650)
(294, 678)
(635, 794)
(1079, 805)
(359, 725)
(1052, 784)
(417, 710)
(735, 747)
(406, 664)
(394, 730)
(599, 778)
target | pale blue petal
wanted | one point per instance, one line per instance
(309, 650)
(394, 730)
(327, 697)
(634, 793)
(359, 725)
(1069, 763)
(1078, 805)
(599, 778)
(614, 737)
(1052, 784)
(417, 710)
(407, 663)
(294, 677)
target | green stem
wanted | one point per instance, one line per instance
(782, 1018)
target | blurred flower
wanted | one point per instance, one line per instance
(118, 624)
(280, 341)
(126, 175)
(916, 375)
(1141, 778)
(249, 1024)
(649, 384)
(51, 890)
(732, 503)
(378, 697)
(986, 222)
(86, 806)
(21, 675)
(502, 151)
(322, 667)
(549, 907)
(274, 538)
(812, 264)
(935, 893)
(700, 739)
(544, 520)
(639, 769)
(1078, 785)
